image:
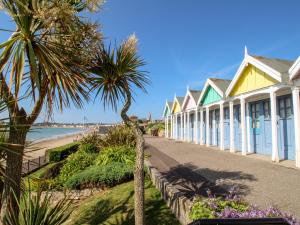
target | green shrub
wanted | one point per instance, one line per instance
(201, 210)
(75, 162)
(89, 148)
(59, 153)
(104, 175)
(117, 136)
(52, 171)
(40, 184)
(92, 138)
(122, 154)
(155, 126)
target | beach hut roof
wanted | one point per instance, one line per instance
(177, 100)
(278, 69)
(294, 71)
(219, 85)
(196, 94)
(280, 65)
(180, 100)
(169, 104)
(168, 107)
(222, 84)
(193, 94)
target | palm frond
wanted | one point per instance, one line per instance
(116, 70)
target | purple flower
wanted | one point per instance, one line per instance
(212, 205)
(254, 212)
(228, 213)
(236, 207)
(209, 194)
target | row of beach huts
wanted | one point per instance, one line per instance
(258, 111)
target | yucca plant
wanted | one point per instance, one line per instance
(36, 209)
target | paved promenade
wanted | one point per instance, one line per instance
(194, 169)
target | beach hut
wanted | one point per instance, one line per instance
(294, 74)
(261, 108)
(191, 116)
(177, 119)
(167, 117)
(214, 124)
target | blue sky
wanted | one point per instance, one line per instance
(185, 42)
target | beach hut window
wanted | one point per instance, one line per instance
(255, 115)
(267, 110)
(288, 107)
(226, 112)
(281, 108)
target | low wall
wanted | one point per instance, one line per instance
(179, 204)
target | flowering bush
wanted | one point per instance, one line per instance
(255, 212)
(232, 206)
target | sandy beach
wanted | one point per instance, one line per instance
(37, 149)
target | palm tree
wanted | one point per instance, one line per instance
(116, 73)
(43, 61)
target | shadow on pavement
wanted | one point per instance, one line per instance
(192, 180)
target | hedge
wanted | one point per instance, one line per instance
(59, 153)
(102, 175)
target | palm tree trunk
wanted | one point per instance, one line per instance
(14, 161)
(139, 201)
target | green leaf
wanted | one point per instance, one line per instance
(5, 55)
(33, 65)
(6, 43)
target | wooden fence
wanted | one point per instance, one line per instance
(33, 164)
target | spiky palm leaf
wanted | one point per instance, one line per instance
(36, 209)
(50, 49)
(117, 70)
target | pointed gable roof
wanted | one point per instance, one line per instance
(219, 85)
(281, 65)
(169, 104)
(294, 71)
(196, 94)
(275, 68)
(168, 107)
(177, 100)
(193, 95)
(180, 100)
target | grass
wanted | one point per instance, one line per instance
(115, 206)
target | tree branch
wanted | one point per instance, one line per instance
(7, 96)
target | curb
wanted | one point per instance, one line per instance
(179, 204)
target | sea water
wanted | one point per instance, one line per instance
(38, 133)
